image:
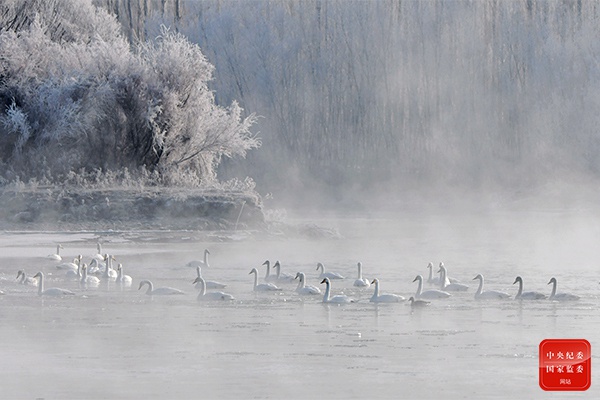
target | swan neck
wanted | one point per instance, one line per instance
(419, 288)
(202, 287)
(300, 282)
(553, 293)
(430, 273)
(326, 295)
(520, 288)
(376, 293)
(206, 258)
(41, 284)
(480, 288)
(255, 279)
(359, 271)
(442, 278)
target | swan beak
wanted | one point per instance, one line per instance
(297, 275)
(373, 281)
(196, 281)
(414, 280)
(474, 278)
(324, 281)
(516, 280)
(266, 262)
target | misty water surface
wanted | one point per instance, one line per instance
(106, 343)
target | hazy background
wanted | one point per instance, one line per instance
(401, 97)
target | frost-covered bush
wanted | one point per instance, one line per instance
(75, 95)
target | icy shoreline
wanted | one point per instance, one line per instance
(148, 208)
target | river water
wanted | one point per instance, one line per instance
(111, 343)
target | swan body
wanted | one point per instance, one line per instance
(527, 295)
(428, 294)
(122, 279)
(384, 298)
(263, 287)
(96, 267)
(303, 288)
(198, 263)
(360, 281)
(446, 285)
(208, 284)
(160, 291)
(88, 281)
(281, 276)
(414, 303)
(98, 256)
(50, 291)
(338, 299)
(71, 266)
(210, 296)
(330, 275)
(560, 296)
(56, 256)
(488, 294)
(26, 280)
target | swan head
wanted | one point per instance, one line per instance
(375, 281)
(441, 264)
(518, 279)
(253, 271)
(276, 264)
(479, 276)
(418, 278)
(206, 251)
(299, 275)
(430, 265)
(120, 267)
(552, 280)
(38, 275)
(411, 299)
(441, 268)
(325, 280)
(198, 279)
(268, 263)
(19, 273)
(320, 265)
(144, 282)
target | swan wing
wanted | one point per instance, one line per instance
(434, 294)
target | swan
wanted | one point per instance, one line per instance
(330, 275)
(123, 280)
(208, 284)
(96, 267)
(263, 287)
(161, 291)
(98, 256)
(428, 294)
(210, 295)
(488, 294)
(86, 280)
(360, 281)
(268, 276)
(303, 288)
(109, 272)
(198, 263)
(281, 276)
(50, 291)
(446, 285)
(71, 266)
(72, 275)
(432, 280)
(448, 279)
(26, 280)
(56, 257)
(418, 303)
(384, 298)
(560, 296)
(527, 295)
(338, 299)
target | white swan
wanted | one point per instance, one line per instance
(560, 296)
(88, 281)
(303, 288)
(432, 280)
(109, 273)
(56, 257)
(384, 298)
(338, 299)
(96, 267)
(360, 281)
(527, 295)
(263, 287)
(208, 284)
(71, 266)
(122, 279)
(198, 263)
(203, 295)
(418, 303)
(281, 276)
(268, 276)
(330, 275)
(488, 294)
(446, 285)
(161, 291)
(428, 294)
(50, 291)
(74, 275)
(98, 256)
(448, 278)
(26, 280)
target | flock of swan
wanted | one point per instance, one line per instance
(100, 268)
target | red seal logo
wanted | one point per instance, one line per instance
(565, 364)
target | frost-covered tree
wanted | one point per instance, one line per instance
(75, 94)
